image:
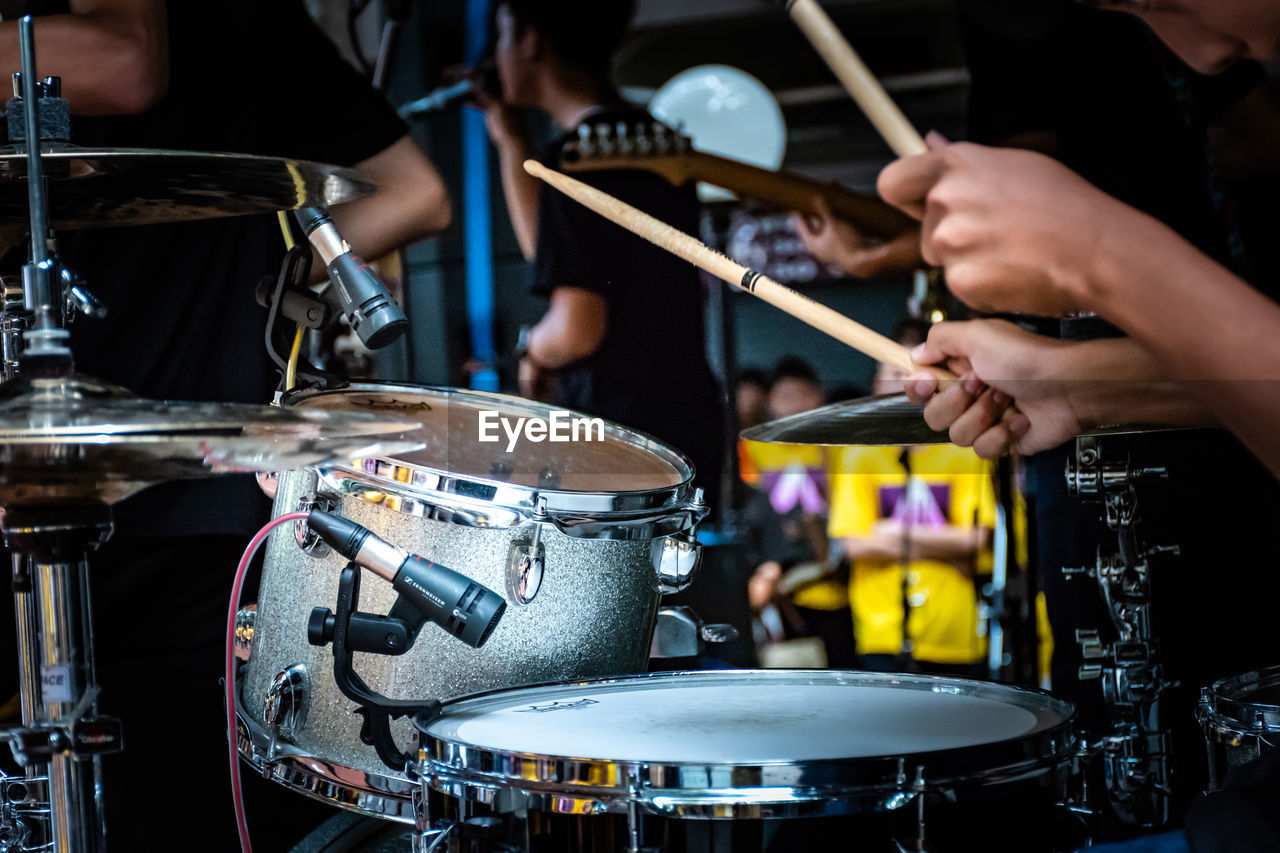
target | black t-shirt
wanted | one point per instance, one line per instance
(183, 323)
(650, 372)
(1100, 82)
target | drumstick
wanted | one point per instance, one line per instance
(856, 77)
(678, 243)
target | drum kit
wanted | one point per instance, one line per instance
(542, 731)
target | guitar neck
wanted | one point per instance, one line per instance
(790, 191)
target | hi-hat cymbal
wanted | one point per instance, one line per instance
(104, 187)
(889, 419)
(78, 440)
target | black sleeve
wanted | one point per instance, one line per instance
(336, 116)
(575, 247)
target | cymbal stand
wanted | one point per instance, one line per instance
(57, 805)
(1135, 751)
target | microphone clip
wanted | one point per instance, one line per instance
(350, 631)
(289, 302)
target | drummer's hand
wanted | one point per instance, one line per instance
(835, 241)
(1000, 366)
(763, 584)
(1016, 231)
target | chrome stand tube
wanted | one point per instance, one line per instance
(64, 670)
(60, 727)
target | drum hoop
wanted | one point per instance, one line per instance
(772, 789)
(1225, 705)
(472, 500)
(380, 795)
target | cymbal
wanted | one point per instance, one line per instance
(887, 419)
(78, 440)
(104, 187)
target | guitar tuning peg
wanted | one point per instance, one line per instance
(644, 142)
(604, 138)
(585, 147)
(660, 139)
(626, 145)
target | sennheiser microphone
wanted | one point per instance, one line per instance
(466, 609)
(362, 298)
(438, 99)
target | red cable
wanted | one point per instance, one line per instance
(242, 826)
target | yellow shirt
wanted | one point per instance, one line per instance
(763, 466)
(951, 486)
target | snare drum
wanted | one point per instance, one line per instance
(581, 537)
(1241, 720)
(750, 760)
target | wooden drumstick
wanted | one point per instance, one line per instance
(801, 307)
(856, 77)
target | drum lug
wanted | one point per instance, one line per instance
(285, 709)
(680, 633)
(430, 840)
(311, 544)
(246, 619)
(675, 561)
(526, 562)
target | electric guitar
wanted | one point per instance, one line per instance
(654, 147)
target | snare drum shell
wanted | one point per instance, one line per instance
(593, 615)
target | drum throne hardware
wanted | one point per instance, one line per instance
(1137, 763)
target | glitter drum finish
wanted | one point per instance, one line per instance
(471, 506)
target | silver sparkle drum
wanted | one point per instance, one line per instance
(751, 760)
(1241, 720)
(580, 536)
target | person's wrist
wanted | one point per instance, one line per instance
(1089, 395)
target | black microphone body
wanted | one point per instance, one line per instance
(437, 99)
(466, 609)
(362, 298)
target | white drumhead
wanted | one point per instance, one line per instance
(696, 719)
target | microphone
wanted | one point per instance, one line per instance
(362, 298)
(466, 609)
(437, 99)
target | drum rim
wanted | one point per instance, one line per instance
(422, 490)
(1225, 703)
(760, 789)
(383, 795)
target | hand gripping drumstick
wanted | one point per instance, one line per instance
(856, 77)
(678, 243)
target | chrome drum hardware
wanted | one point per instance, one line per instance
(1137, 763)
(566, 532)
(1241, 720)
(677, 760)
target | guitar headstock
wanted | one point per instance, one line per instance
(647, 145)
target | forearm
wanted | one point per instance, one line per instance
(113, 57)
(1211, 330)
(552, 344)
(410, 203)
(947, 543)
(521, 192)
(1121, 382)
